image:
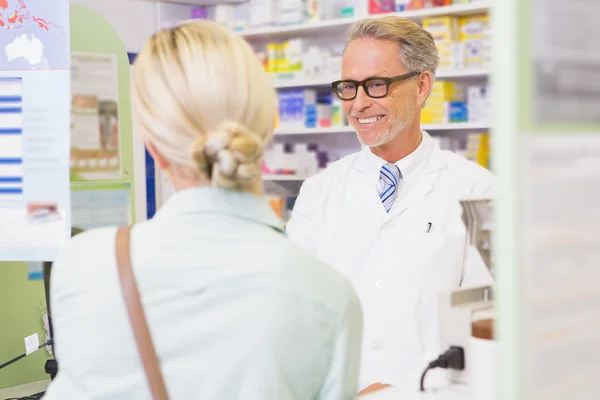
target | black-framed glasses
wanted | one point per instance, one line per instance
(375, 87)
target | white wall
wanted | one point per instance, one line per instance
(134, 20)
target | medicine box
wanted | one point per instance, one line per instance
(381, 6)
(475, 35)
(261, 12)
(478, 149)
(479, 100)
(289, 12)
(446, 103)
(445, 32)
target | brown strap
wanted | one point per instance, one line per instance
(137, 317)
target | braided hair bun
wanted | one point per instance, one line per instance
(229, 155)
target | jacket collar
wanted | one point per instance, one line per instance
(427, 158)
(209, 200)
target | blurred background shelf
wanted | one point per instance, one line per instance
(284, 178)
(452, 126)
(333, 26)
(326, 82)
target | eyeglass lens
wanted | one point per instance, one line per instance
(374, 87)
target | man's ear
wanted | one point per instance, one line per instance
(424, 85)
(162, 163)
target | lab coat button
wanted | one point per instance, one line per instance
(376, 345)
(380, 284)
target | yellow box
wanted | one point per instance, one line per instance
(445, 32)
(478, 149)
(434, 115)
(442, 28)
(476, 40)
(283, 64)
(272, 56)
(446, 91)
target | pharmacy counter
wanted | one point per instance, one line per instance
(449, 392)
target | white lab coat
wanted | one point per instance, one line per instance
(396, 266)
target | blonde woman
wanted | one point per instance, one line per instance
(234, 309)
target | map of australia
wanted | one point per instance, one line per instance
(34, 34)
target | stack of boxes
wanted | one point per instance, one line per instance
(300, 159)
(259, 13)
(446, 36)
(295, 59)
(475, 36)
(446, 104)
(419, 4)
(309, 108)
(283, 60)
(478, 149)
(462, 42)
(479, 102)
(451, 102)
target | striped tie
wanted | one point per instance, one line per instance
(389, 183)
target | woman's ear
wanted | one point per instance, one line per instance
(162, 162)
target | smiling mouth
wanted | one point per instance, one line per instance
(370, 120)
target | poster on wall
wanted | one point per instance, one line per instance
(34, 129)
(95, 132)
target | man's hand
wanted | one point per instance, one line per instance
(373, 388)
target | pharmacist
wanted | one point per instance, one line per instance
(388, 217)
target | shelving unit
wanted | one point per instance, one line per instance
(283, 178)
(333, 26)
(340, 141)
(452, 126)
(325, 82)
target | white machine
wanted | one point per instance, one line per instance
(458, 309)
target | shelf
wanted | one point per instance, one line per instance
(456, 126)
(322, 27)
(302, 83)
(464, 73)
(199, 3)
(313, 131)
(288, 178)
(442, 74)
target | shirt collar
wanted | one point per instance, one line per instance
(210, 200)
(409, 165)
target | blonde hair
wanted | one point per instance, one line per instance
(418, 52)
(205, 102)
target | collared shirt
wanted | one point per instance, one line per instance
(236, 311)
(410, 166)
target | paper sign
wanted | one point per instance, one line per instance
(95, 132)
(36, 271)
(94, 207)
(32, 343)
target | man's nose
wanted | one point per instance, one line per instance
(362, 101)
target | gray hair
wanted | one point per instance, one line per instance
(418, 52)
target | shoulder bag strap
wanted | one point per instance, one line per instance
(137, 317)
